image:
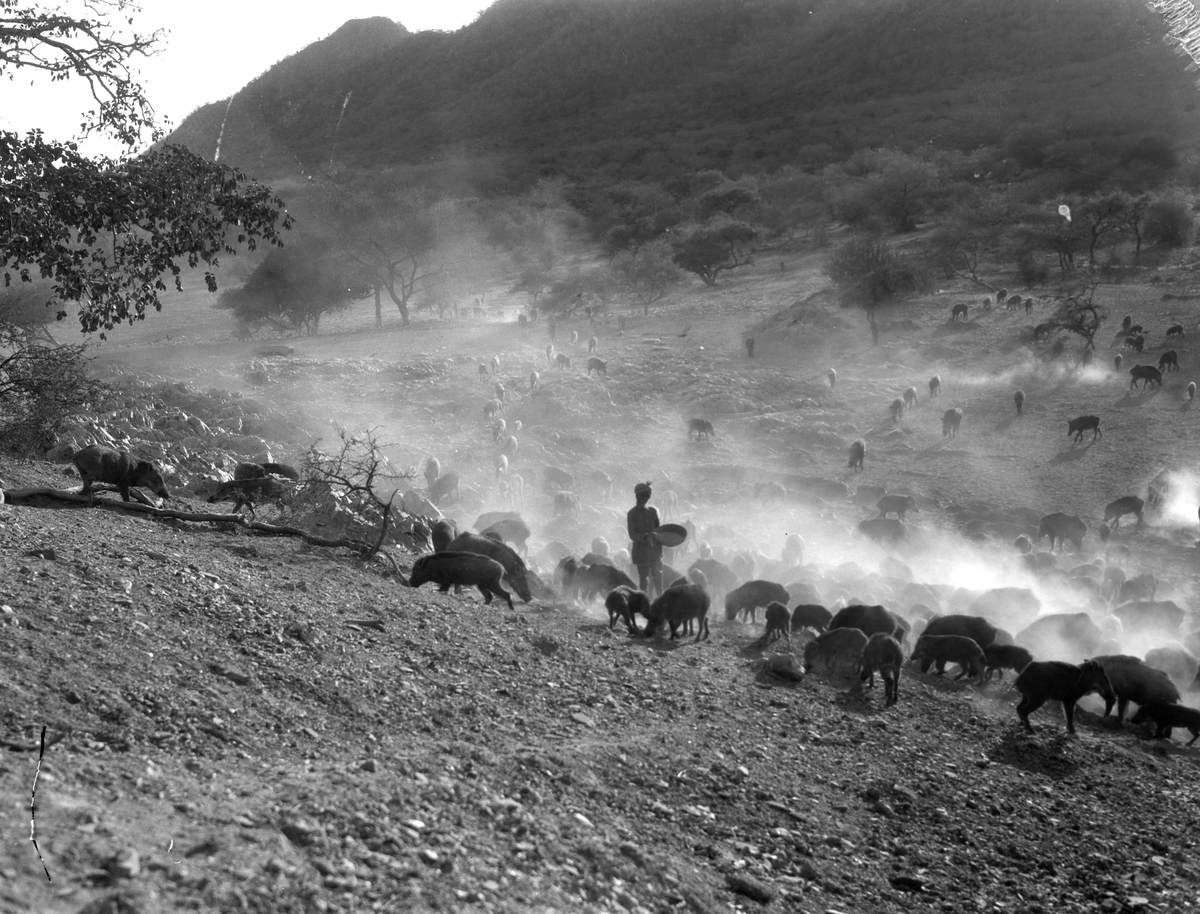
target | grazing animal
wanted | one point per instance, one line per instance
(886, 531)
(258, 470)
(499, 389)
(832, 375)
(1062, 527)
(1001, 296)
(896, 409)
(1000, 657)
(514, 567)
(534, 377)
(943, 649)
(858, 453)
(495, 364)
(1043, 331)
(1147, 374)
(549, 353)
(1175, 330)
(678, 606)
(1168, 361)
(700, 427)
(510, 530)
(1069, 635)
(442, 534)
(959, 310)
(592, 344)
(1180, 664)
(977, 628)
(749, 347)
(1117, 362)
(1134, 681)
(779, 622)
(483, 372)
(720, 578)
(1019, 399)
(950, 422)
(1136, 329)
(1115, 510)
(1166, 715)
(566, 503)
(841, 642)
(555, 480)
(248, 492)
(1136, 343)
(433, 469)
(1043, 680)
(1191, 390)
(1024, 544)
(499, 426)
(509, 447)
(935, 386)
(464, 569)
(500, 461)
(1126, 323)
(599, 365)
(1029, 306)
(867, 619)
(896, 504)
(626, 604)
(1081, 424)
(910, 398)
(586, 582)
(811, 615)
(97, 463)
(883, 653)
(669, 503)
(444, 487)
(563, 360)
(492, 408)
(769, 492)
(747, 598)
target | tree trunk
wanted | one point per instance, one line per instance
(378, 309)
(874, 326)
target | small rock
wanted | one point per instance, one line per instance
(581, 718)
(750, 887)
(428, 856)
(370, 766)
(808, 871)
(126, 864)
(908, 883)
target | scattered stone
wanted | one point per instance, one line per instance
(742, 884)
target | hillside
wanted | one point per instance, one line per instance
(649, 90)
(253, 724)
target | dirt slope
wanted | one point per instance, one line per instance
(253, 724)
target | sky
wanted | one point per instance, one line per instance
(211, 50)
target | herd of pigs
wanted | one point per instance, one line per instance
(950, 626)
(868, 638)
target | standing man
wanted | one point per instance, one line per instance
(641, 522)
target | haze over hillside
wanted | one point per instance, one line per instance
(646, 90)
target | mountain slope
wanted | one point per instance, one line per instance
(649, 88)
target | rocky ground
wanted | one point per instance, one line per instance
(249, 723)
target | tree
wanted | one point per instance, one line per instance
(648, 272)
(901, 188)
(390, 232)
(969, 236)
(710, 249)
(40, 388)
(293, 288)
(1101, 216)
(1078, 313)
(871, 275)
(1169, 220)
(106, 232)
